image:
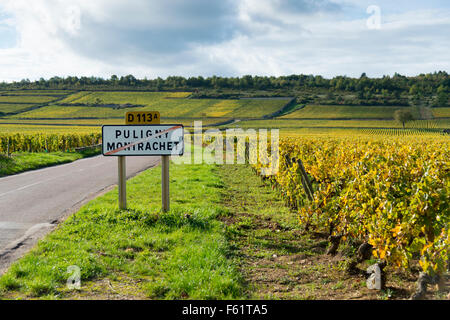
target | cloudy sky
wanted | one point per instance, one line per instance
(151, 38)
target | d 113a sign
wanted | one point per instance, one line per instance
(143, 140)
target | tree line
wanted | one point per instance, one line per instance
(418, 88)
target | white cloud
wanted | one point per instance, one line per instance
(203, 37)
(410, 43)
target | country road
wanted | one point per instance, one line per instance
(32, 203)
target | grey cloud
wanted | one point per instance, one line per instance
(205, 37)
(150, 30)
(283, 8)
(146, 29)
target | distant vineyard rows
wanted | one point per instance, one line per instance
(46, 142)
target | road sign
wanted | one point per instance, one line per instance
(142, 117)
(143, 140)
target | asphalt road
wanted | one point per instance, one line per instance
(32, 203)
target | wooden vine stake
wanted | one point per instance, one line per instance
(307, 182)
(7, 150)
(304, 177)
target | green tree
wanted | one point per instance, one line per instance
(414, 89)
(442, 97)
(403, 116)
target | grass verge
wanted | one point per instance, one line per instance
(24, 161)
(279, 260)
(139, 252)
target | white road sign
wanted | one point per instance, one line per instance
(143, 140)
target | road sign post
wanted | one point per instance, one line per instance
(122, 182)
(143, 140)
(133, 117)
(165, 183)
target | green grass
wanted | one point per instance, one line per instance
(26, 99)
(181, 254)
(14, 108)
(24, 161)
(351, 112)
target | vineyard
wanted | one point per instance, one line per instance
(366, 180)
(26, 99)
(402, 132)
(39, 129)
(239, 158)
(170, 107)
(58, 93)
(351, 112)
(14, 108)
(391, 194)
(283, 123)
(143, 98)
(441, 112)
(46, 142)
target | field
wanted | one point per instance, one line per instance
(13, 102)
(144, 98)
(65, 124)
(358, 132)
(58, 93)
(26, 99)
(441, 112)
(337, 124)
(14, 108)
(291, 235)
(107, 105)
(349, 112)
(85, 111)
(61, 112)
(46, 142)
(32, 129)
(141, 98)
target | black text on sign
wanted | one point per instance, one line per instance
(142, 117)
(143, 140)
